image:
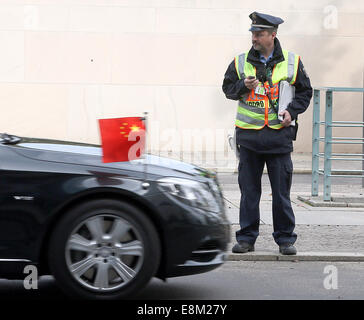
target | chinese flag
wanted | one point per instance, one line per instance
(122, 139)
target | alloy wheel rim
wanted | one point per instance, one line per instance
(104, 253)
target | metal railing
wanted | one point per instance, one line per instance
(329, 140)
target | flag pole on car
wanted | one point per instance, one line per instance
(145, 119)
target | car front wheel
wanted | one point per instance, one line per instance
(104, 249)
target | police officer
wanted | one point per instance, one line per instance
(253, 79)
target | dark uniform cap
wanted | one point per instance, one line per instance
(261, 21)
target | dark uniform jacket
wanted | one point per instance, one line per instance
(267, 140)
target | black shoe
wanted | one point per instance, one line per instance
(243, 247)
(287, 249)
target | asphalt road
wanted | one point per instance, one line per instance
(265, 280)
(235, 280)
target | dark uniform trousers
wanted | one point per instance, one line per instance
(279, 167)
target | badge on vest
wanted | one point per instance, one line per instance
(260, 89)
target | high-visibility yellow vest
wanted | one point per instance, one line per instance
(254, 110)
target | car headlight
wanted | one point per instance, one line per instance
(193, 193)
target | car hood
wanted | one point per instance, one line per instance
(86, 154)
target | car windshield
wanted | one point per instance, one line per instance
(95, 151)
(9, 138)
(51, 145)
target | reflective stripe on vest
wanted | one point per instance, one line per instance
(254, 111)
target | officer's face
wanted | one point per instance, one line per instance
(262, 40)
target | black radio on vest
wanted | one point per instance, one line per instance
(261, 74)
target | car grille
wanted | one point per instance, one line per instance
(215, 189)
(206, 252)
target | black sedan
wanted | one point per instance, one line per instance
(104, 230)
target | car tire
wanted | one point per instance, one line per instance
(104, 249)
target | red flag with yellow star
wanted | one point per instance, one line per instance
(122, 139)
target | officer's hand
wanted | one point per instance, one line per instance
(286, 118)
(251, 83)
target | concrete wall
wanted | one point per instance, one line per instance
(66, 63)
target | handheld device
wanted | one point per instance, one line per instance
(251, 77)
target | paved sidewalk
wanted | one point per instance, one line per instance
(226, 161)
(324, 233)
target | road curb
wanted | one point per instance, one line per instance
(302, 256)
(235, 170)
(344, 202)
(295, 171)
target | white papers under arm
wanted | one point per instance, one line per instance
(286, 95)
